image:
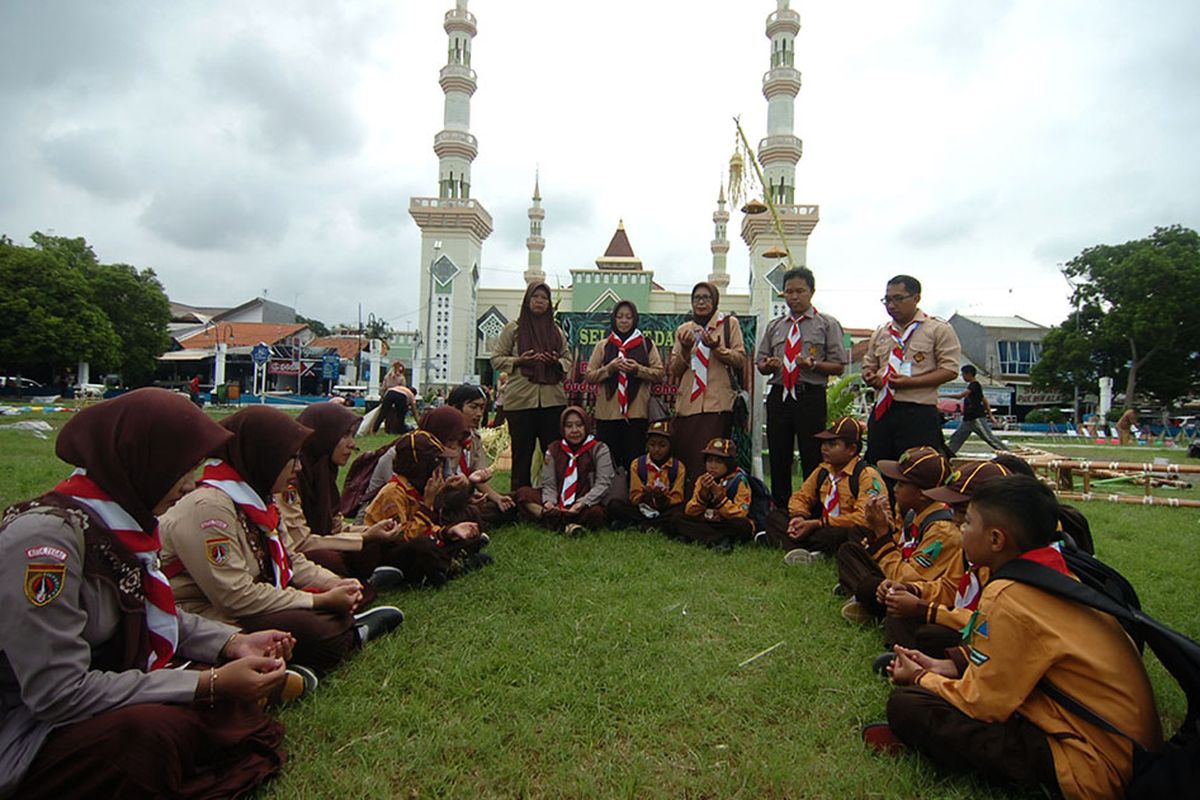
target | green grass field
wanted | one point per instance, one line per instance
(609, 666)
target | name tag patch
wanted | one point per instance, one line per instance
(214, 523)
(44, 582)
(46, 552)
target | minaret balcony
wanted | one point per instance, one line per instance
(719, 246)
(781, 80)
(457, 78)
(720, 216)
(787, 21)
(775, 149)
(455, 144)
(537, 213)
(536, 243)
(465, 21)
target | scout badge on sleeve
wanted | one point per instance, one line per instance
(217, 550)
(44, 582)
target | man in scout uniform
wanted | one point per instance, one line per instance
(986, 709)
(907, 359)
(799, 351)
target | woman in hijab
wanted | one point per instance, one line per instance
(707, 348)
(625, 366)
(575, 479)
(494, 508)
(90, 708)
(428, 502)
(225, 549)
(533, 351)
(309, 507)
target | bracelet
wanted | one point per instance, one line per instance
(212, 687)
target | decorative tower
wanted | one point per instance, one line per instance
(453, 225)
(720, 244)
(778, 155)
(535, 243)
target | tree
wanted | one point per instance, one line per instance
(49, 312)
(1136, 318)
(315, 325)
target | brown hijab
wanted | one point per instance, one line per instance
(447, 423)
(138, 445)
(263, 441)
(537, 332)
(639, 354)
(317, 481)
(421, 452)
(716, 302)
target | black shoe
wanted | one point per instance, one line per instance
(376, 622)
(839, 590)
(477, 561)
(724, 546)
(881, 663)
(384, 578)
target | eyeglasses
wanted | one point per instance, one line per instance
(702, 298)
(893, 299)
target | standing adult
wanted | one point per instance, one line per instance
(533, 351)
(799, 351)
(1125, 425)
(706, 348)
(396, 401)
(906, 361)
(626, 366)
(975, 409)
(90, 627)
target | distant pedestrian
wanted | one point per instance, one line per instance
(975, 408)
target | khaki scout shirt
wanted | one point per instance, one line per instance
(719, 394)
(300, 538)
(609, 407)
(933, 345)
(852, 509)
(220, 580)
(520, 394)
(821, 337)
(46, 650)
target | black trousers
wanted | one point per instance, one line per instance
(527, 427)
(825, 539)
(698, 529)
(624, 514)
(1014, 752)
(904, 425)
(393, 403)
(917, 634)
(791, 425)
(626, 439)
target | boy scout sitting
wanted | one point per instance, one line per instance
(985, 709)
(657, 482)
(718, 513)
(823, 512)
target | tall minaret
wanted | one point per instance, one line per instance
(535, 243)
(453, 225)
(778, 155)
(720, 244)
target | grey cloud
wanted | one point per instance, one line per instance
(217, 215)
(92, 161)
(947, 224)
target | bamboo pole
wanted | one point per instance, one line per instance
(1131, 499)
(1114, 466)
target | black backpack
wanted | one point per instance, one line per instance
(643, 470)
(760, 499)
(1174, 771)
(1076, 529)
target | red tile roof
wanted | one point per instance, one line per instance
(347, 346)
(241, 334)
(619, 247)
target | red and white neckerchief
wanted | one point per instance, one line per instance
(464, 463)
(701, 355)
(566, 495)
(656, 475)
(910, 537)
(791, 353)
(832, 506)
(969, 589)
(162, 621)
(220, 475)
(895, 359)
(631, 341)
(1049, 556)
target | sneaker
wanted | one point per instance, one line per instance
(760, 538)
(838, 590)
(879, 737)
(376, 622)
(384, 578)
(801, 556)
(855, 611)
(298, 682)
(881, 663)
(574, 529)
(484, 539)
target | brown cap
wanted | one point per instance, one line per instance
(963, 482)
(848, 429)
(660, 428)
(923, 466)
(722, 448)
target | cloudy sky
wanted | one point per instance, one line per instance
(239, 148)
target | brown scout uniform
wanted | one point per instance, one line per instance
(608, 407)
(934, 345)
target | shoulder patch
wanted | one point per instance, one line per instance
(217, 550)
(928, 554)
(976, 657)
(44, 582)
(214, 523)
(46, 552)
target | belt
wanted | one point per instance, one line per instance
(801, 387)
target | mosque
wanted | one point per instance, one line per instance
(455, 224)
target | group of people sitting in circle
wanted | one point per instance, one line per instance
(161, 617)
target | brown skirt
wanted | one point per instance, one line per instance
(157, 750)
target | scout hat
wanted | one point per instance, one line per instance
(963, 482)
(847, 429)
(722, 448)
(660, 428)
(922, 466)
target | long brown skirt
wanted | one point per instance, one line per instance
(691, 434)
(157, 750)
